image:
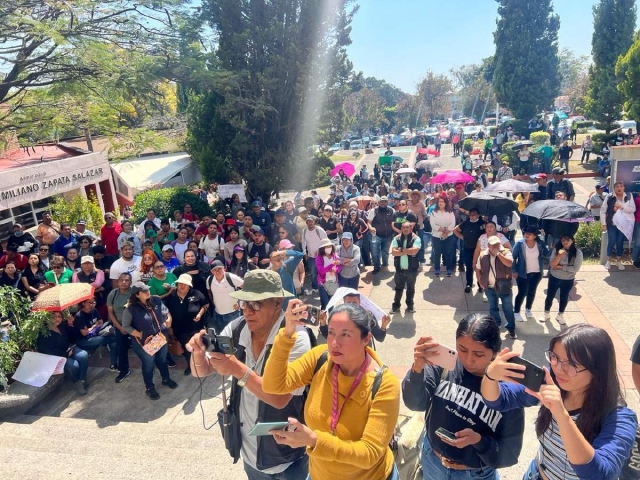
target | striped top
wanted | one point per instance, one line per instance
(552, 457)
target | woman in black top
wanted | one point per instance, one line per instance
(72, 259)
(32, 280)
(199, 271)
(57, 343)
(240, 264)
(10, 276)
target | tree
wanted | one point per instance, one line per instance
(391, 94)
(614, 22)
(574, 78)
(473, 87)
(364, 109)
(275, 64)
(628, 71)
(433, 97)
(525, 76)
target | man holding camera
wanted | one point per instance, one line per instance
(253, 334)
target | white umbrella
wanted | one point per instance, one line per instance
(402, 171)
(512, 186)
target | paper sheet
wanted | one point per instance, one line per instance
(365, 303)
(35, 369)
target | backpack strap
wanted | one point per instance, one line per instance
(321, 361)
(230, 282)
(235, 335)
(377, 381)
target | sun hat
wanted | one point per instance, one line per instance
(326, 243)
(185, 278)
(261, 285)
(87, 259)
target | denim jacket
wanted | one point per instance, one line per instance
(519, 265)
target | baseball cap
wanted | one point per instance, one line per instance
(285, 244)
(542, 175)
(384, 198)
(215, 264)
(138, 287)
(257, 229)
(256, 204)
(280, 211)
(493, 240)
(347, 236)
(599, 185)
(81, 222)
(87, 259)
(167, 248)
(108, 215)
(185, 278)
(126, 244)
(261, 285)
(328, 207)
(238, 248)
(301, 209)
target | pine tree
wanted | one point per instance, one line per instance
(613, 26)
(526, 76)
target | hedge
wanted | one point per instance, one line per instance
(539, 138)
(167, 200)
(599, 140)
(585, 124)
(589, 239)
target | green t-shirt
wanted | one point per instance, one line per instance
(50, 276)
(155, 285)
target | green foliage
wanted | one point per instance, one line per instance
(519, 126)
(364, 109)
(65, 211)
(628, 70)
(323, 178)
(600, 139)
(467, 145)
(574, 74)
(510, 155)
(9, 355)
(604, 102)
(539, 138)
(584, 124)
(474, 88)
(526, 75)
(391, 94)
(321, 173)
(167, 200)
(589, 239)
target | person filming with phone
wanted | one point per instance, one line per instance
(584, 427)
(253, 334)
(465, 438)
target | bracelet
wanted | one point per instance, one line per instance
(199, 364)
(487, 375)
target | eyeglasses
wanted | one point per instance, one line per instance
(44, 249)
(255, 306)
(158, 266)
(568, 367)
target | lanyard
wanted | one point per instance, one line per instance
(335, 411)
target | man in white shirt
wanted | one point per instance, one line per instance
(128, 262)
(219, 286)
(312, 236)
(151, 217)
(212, 245)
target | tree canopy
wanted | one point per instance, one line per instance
(628, 71)
(525, 77)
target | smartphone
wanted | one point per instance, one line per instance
(533, 375)
(262, 429)
(446, 434)
(311, 316)
(447, 358)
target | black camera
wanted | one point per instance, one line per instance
(131, 239)
(218, 343)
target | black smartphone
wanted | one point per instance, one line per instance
(533, 375)
(446, 434)
(311, 316)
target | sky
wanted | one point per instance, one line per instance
(399, 40)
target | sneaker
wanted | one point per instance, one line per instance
(512, 335)
(152, 394)
(484, 297)
(411, 310)
(449, 274)
(81, 387)
(170, 383)
(636, 264)
(560, 319)
(187, 371)
(314, 290)
(467, 289)
(607, 265)
(461, 268)
(122, 376)
(375, 270)
(437, 273)
(528, 314)
(546, 316)
(620, 265)
(518, 317)
(307, 292)
(171, 363)
(114, 368)
(395, 309)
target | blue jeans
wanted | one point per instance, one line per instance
(380, 250)
(394, 475)
(324, 296)
(148, 362)
(77, 365)
(222, 321)
(546, 162)
(433, 469)
(443, 249)
(122, 347)
(532, 472)
(615, 240)
(507, 308)
(313, 272)
(349, 282)
(93, 343)
(636, 241)
(296, 471)
(422, 246)
(426, 240)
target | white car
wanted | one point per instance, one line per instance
(375, 142)
(356, 144)
(336, 147)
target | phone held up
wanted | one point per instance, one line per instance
(311, 316)
(533, 375)
(447, 358)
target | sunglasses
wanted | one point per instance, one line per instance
(44, 249)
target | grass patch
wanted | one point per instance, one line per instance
(344, 158)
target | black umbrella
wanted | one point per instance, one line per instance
(555, 228)
(522, 143)
(488, 203)
(558, 210)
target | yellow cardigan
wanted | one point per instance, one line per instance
(360, 448)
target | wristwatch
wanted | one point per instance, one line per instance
(243, 381)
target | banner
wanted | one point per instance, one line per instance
(365, 303)
(226, 191)
(627, 172)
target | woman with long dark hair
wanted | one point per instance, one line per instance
(484, 439)
(528, 254)
(565, 262)
(33, 281)
(584, 427)
(10, 276)
(72, 259)
(240, 263)
(443, 221)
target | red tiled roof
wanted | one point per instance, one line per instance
(20, 157)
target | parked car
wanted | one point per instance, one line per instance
(356, 143)
(336, 147)
(625, 125)
(397, 141)
(470, 131)
(375, 142)
(430, 133)
(366, 141)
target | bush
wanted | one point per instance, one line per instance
(323, 178)
(600, 139)
(539, 138)
(493, 131)
(519, 126)
(589, 239)
(585, 124)
(468, 145)
(509, 155)
(167, 200)
(65, 211)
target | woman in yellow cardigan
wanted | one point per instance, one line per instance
(347, 432)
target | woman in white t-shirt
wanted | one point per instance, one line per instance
(528, 254)
(181, 244)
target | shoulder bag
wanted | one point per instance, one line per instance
(502, 285)
(155, 342)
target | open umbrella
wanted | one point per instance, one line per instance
(422, 151)
(402, 171)
(429, 164)
(488, 203)
(555, 228)
(512, 186)
(522, 143)
(363, 201)
(452, 176)
(558, 210)
(63, 296)
(348, 168)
